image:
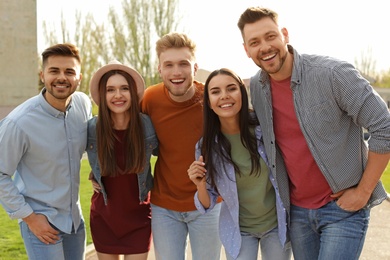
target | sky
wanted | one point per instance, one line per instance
(345, 29)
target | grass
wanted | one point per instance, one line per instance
(12, 244)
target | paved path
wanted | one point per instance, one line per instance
(376, 247)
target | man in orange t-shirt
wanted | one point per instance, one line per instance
(175, 108)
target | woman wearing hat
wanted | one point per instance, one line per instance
(120, 144)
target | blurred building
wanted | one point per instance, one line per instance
(18, 53)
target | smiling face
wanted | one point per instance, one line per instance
(61, 77)
(118, 94)
(266, 45)
(177, 69)
(225, 97)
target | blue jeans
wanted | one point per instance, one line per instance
(171, 228)
(271, 248)
(69, 246)
(328, 232)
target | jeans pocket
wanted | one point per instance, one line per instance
(339, 208)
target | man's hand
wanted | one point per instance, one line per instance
(352, 199)
(41, 228)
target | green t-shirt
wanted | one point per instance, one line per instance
(256, 195)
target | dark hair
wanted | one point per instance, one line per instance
(212, 131)
(134, 137)
(62, 49)
(254, 14)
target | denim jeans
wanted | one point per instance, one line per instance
(328, 232)
(271, 248)
(68, 247)
(171, 228)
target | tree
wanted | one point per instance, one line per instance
(366, 65)
(129, 36)
(88, 37)
(134, 37)
(384, 80)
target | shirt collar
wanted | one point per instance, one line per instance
(48, 108)
(296, 73)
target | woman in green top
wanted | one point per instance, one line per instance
(232, 164)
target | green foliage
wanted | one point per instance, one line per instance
(123, 36)
(366, 64)
(12, 246)
(383, 80)
(134, 36)
(95, 109)
(386, 178)
(86, 192)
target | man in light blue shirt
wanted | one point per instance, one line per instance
(42, 141)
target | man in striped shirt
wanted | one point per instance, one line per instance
(313, 110)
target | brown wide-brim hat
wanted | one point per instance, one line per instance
(115, 65)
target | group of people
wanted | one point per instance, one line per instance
(293, 175)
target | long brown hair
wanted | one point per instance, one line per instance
(212, 132)
(134, 137)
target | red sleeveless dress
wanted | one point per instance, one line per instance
(123, 226)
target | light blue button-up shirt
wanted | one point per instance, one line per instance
(41, 149)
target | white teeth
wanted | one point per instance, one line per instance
(177, 80)
(226, 105)
(60, 86)
(269, 57)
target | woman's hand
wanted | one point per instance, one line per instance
(197, 172)
(95, 185)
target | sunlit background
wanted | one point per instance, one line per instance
(344, 29)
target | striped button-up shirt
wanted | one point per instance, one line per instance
(333, 104)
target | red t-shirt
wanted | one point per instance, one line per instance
(308, 186)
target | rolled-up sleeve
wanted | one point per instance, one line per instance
(212, 193)
(213, 200)
(357, 97)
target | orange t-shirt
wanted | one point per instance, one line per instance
(178, 126)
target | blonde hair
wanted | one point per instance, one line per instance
(175, 40)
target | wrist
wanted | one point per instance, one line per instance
(29, 218)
